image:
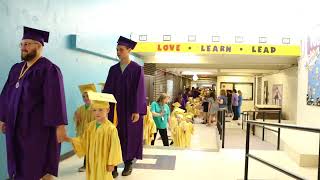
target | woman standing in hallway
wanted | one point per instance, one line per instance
(229, 103)
(205, 105)
(235, 104)
(161, 113)
(239, 103)
(213, 108)
(223, 100)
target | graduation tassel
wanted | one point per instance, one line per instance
(115, 116)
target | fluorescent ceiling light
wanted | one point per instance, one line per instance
(199, 73)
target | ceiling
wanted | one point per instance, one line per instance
(217, 65)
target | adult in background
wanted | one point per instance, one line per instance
(161, 116)
(235, 104)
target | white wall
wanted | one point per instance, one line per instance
(246, 105)
(289, 79)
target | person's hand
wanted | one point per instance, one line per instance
(77, 117)
(110, 168)
(2, 127)
(61, 133)
(135, 117)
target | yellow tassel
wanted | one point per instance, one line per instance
(115, 116)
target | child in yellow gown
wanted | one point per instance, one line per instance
(99, 142)
(188, 130)
(149, 127)
(173, 124)
(83, 115)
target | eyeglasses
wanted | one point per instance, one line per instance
(26, 44)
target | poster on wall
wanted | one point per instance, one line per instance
(313, 67)
(265, 92)
(277, 94)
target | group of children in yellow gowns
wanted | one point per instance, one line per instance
(181, 126)
(193, 106)
(97, 138)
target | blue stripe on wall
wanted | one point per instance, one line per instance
(61, 18)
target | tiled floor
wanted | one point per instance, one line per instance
(199, 164)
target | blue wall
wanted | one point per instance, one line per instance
(61, 18)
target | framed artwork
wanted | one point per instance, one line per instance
(277, 94)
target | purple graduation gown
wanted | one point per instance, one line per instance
(129, 91)
(31, 113)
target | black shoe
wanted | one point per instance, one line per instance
(127, 170)
(115, 174)
(82, 169)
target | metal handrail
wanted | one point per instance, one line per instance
(221, 125)
(285, 126)
(246, 116)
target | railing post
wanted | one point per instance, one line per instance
(279, 121)
(246, 166)
(253, 126)
(319, 160)
(223, 115)
(263, 119)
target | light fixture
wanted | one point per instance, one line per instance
(239, 39)
(143, 37)
(215, 38)
(285, 40)
(195, 77)
(192, 38)
(166, 37)
(262, 39)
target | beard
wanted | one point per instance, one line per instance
(29, 56)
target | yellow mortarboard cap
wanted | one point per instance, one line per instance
(179, 110)
(176, 104)
(102, 100)
(87, 88)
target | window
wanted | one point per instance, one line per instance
(245, 88)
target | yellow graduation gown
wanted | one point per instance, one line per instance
(149, 127)
(173, 127)
(101, 146)
(188, 132)
(181, 132)
(85, 116)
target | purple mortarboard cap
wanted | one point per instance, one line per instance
(36, 35)
(126, 42)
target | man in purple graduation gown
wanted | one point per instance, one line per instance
(33, 112)
(126, 81)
